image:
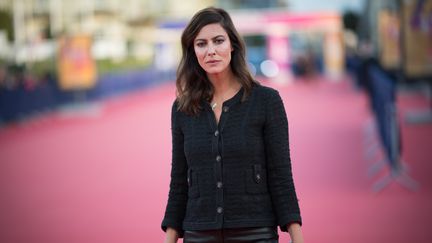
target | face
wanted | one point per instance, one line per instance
(213, 49)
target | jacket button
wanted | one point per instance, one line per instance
(216, 133)
(218, 158)
(219, 209)
(226, 109)
(219, 184)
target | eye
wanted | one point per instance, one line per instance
(200, 44)
(219, 41)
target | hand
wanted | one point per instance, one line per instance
(171, 236)
(295, 232)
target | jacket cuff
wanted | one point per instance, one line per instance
(172, 224)
(292, 218)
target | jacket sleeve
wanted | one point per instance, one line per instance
(177, 197)
(280, 179)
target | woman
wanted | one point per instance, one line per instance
(231, 175)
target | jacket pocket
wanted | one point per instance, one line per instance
(256, 180)
(193, 187)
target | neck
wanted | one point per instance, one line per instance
(223, 82)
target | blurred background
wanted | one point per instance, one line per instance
(86, 89)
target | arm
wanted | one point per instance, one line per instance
(295, 233)
(177, 198)
(280, 179)
(171, 235)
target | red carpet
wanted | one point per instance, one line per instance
(102, 174)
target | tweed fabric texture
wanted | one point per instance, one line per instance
(235, 173)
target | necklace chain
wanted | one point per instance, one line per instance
(214, 104)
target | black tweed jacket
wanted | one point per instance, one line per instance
(236, 173)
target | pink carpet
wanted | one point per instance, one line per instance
(101, 174)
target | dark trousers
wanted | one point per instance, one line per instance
(240, 235)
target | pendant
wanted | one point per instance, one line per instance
(213, 106)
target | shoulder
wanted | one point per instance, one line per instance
(175, 112)
(174, 106)
(265, 89)
(264, 92)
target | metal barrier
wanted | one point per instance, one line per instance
(382, 94)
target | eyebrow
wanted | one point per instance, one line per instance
(211, 38)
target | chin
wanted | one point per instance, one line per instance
(215, 70)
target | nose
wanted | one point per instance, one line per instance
(211, 50)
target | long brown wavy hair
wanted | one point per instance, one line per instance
(192, 83)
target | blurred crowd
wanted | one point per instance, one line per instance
(17, 77)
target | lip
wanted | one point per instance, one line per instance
(213, 61)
